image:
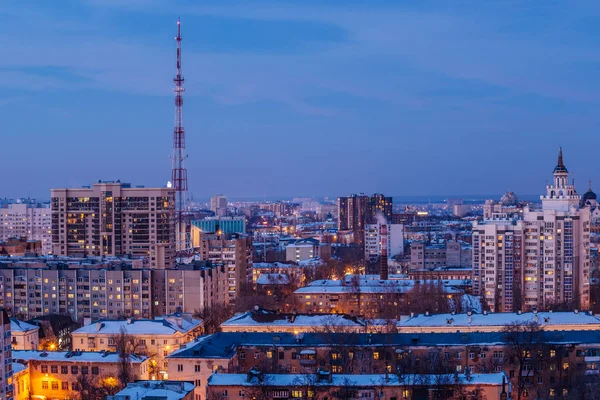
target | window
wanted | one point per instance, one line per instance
(54, 369)
(269, 354)
(44, 384)
(375, 355)
(44, 369)
(95, 371)
(179, 367)
(74, 370)
(65, 386)
(225, 393)
(64, 369)
(85, 370)
(243, 355)
(297, 394)
(54, 385)
(242, 394)
(565, 366)
(406, 393)
(196, 369)
(471, 356)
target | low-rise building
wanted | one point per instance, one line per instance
(25, 336)
(55, 374)
(20, 381)
(307, 249)
(156, 338)
(491, 386)
(154, 390)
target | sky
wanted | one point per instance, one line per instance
(301, 98)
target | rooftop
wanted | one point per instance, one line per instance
(547, 320)
(71, 356)
(264, 317)
(224, 344)
(365, 380)
(167, 390)
(164, 325)
(273, 279)
(21, 326)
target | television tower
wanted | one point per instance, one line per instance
(179, 172)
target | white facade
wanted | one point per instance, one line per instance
(541, 261)
(24, 336)
(373, 241)
(34, 223)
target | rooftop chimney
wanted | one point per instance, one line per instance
(383, 258)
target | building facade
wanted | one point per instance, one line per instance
(113, 218)
(27, 293)
(234, 251)
(395, 241)
(6, 385)
(221, 224)
(31, 221)
(358, 210)
(218, 205)
(540, 261)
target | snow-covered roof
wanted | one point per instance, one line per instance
(548, 321)
(18, 367)
(371, 285)
(294, 321)
(71, 356)
(362, 380)
(21, 326)
(273, 265)
(167, 390)
(164, 325)
(273, 279)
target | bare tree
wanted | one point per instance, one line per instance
(126, 346)
(346, 391)
(526, 348)
(214, 316)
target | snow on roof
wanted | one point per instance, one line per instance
(71, 356)
(548, 320)
(167, 390)
(300, 320)
(273, 265)
(164, 325)
(364, 380)
(372, 284)
(273, 279)
(18, 367)
(21, 326)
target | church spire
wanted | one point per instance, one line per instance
(560, 166)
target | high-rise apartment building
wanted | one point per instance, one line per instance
(113, 218)
(218, 205)
(29, 220)
(395, 241)
(541, 261)
(356, 211)
(235, 252)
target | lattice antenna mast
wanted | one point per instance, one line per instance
(179, 172)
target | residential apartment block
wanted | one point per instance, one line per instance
(539, 261)
(31, 221)
(234, 251)
(113, 218)
(28, 293)
(450, 253)
(395, 241)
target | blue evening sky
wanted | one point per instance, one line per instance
(301, 98)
